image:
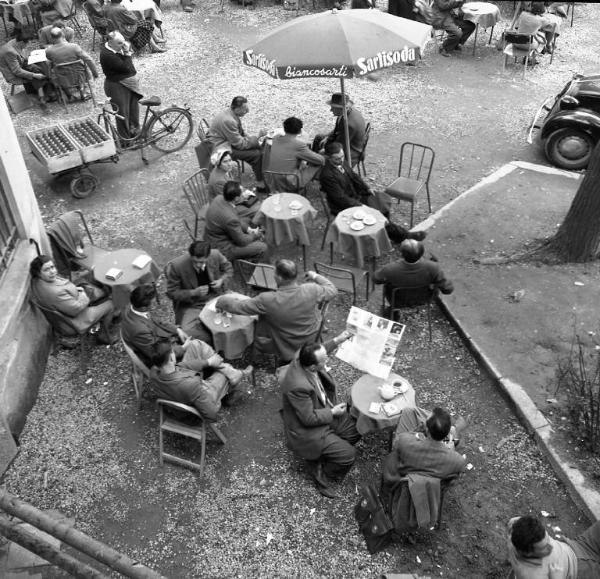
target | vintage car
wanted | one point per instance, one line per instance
(570, 123)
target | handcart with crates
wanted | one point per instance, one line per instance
(71, 147)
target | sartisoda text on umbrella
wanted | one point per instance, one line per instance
(385, 59)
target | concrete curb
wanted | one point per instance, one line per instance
(525, 409)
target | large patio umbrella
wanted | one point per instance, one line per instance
(338, 44)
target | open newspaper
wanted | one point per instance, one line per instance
(373, 345)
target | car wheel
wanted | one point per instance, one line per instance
(569, 148)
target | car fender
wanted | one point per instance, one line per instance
(582, 119)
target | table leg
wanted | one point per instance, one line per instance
(475, 38)
(304, 255)
(491, 35)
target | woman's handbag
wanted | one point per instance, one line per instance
(372, 519)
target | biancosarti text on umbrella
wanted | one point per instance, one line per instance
(385, 59)
(298, 72)
(260, 61)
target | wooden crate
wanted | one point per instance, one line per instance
(93, 141)
(54, 148)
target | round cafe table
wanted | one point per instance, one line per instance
(20, 10)
(231, 335)
(484, 14)
(285, 224)
(365, 391)
(131, 278)
(369, 242)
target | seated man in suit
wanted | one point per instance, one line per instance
(177, 381)
(50, 10)
(413, 270)
(194, 279)
(226, 131)
(344, 188)
(318, 428)
(288, 317)
(457, 28)
(356, 127)
(62, 52)
(143, 332)
(424, 453)
(44, 32)
(534, 553)
(289, 154)
(226, 232)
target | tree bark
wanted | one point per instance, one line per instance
(578, 238)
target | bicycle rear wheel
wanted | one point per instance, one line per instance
(170, 129)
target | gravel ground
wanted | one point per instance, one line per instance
(89, 453)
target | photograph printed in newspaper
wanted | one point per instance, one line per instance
(372, 348)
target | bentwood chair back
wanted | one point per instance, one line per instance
(256, 276)
(360, 165)
(195, 190)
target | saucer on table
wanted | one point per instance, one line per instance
(357, 225)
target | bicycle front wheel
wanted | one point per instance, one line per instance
(170, 129)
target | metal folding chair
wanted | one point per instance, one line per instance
(195, 190)
(409, 297)
(346, 279)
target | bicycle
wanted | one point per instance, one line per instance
(167, 130)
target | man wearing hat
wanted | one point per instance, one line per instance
(356, 127)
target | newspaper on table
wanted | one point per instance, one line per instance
(36, 56)
(372, 348)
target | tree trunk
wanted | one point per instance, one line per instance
(578, 238)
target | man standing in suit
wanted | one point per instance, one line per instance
(227, 233)
(226, 131)
(356, 127)
(289, 154)
(317, 428)
(288, 317)
(194, 279)
(344, 188)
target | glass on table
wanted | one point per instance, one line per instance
(218, 318)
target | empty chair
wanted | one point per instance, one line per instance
(256, 276)
(409, 297)
(195, 190)
(360, 165)
(328, 220)
(201, 130)
(346, 279)
(72, 244)
(169, 423)
(414, 171)
(139, 371)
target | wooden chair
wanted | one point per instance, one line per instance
(346, 279)
(361, 159)
(65, 326)
(71, 75)
(409, 297)
(168, 423)
(68, 233)
(256, 276)
(139, 371)
(195, 190)
(328, 220)
(323, 309)
(414, 171)
(201, 130)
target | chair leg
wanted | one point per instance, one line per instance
(367, 282)
(331, 254)
(218, 433)
(93, 40)
(203, 448)
(429, 319)
(160, 436)
(428, 196)
(412, 213)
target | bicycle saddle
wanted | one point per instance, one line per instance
(152, 101)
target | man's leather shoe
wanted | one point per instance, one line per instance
(327, 492)
(418, 235)
(443, 52)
